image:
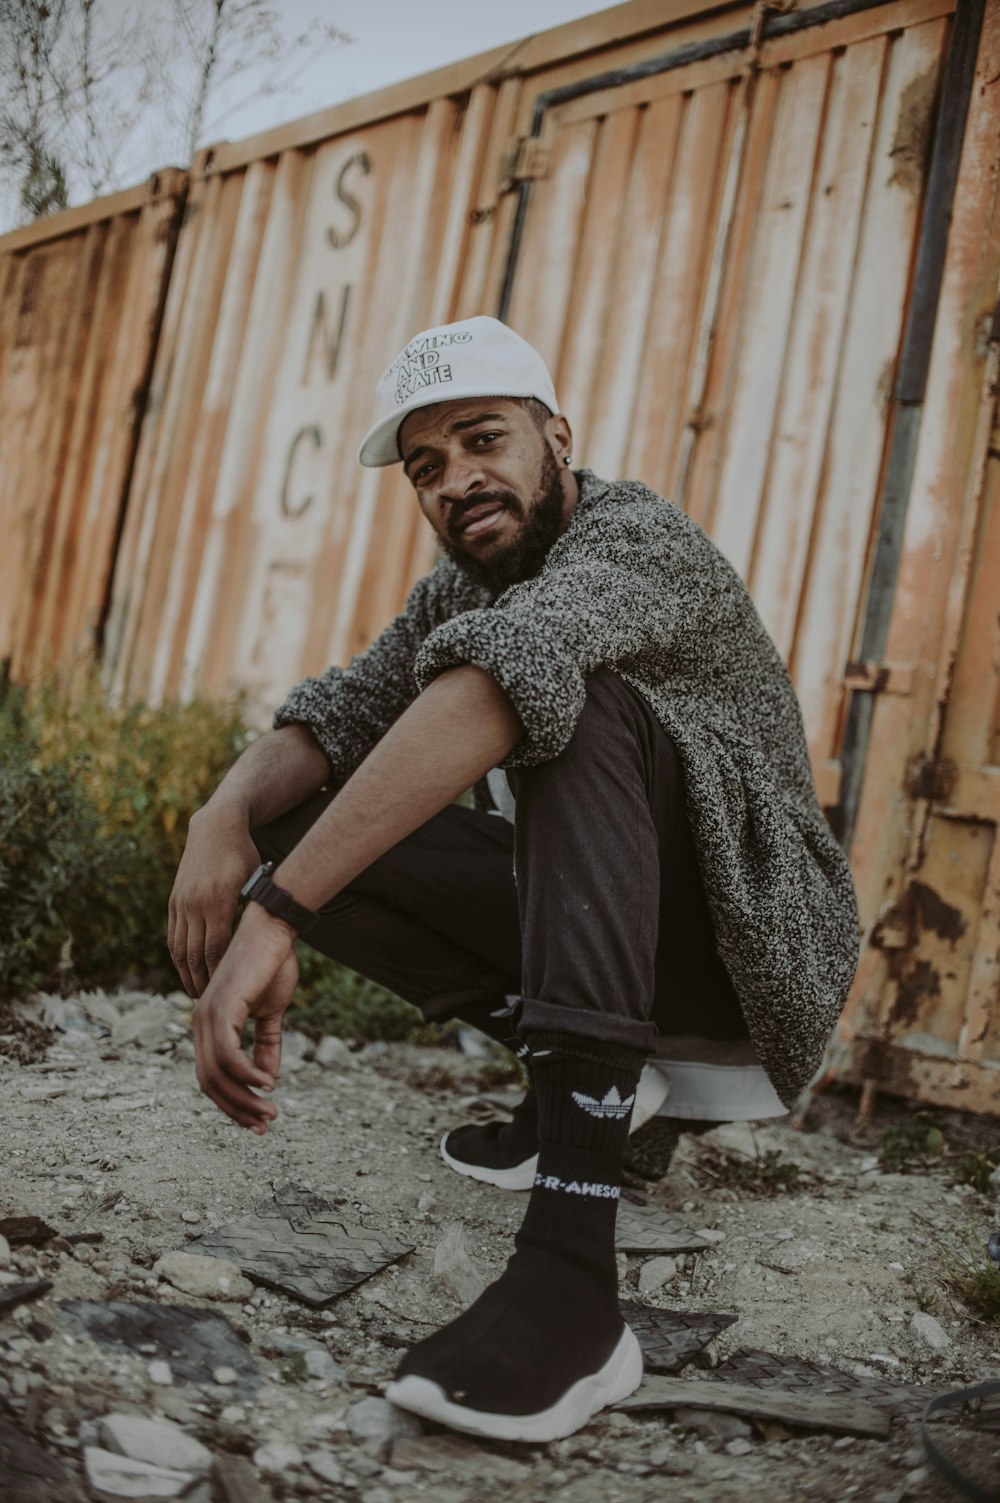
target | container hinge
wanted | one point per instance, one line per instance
(879, 678)
(525, 160)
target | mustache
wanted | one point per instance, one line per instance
(460, 510)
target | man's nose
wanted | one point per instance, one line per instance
(463, 475)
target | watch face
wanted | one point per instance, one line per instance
(254, 878)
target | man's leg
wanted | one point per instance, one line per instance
(545, 1347)
(610, 894)
(434, 920)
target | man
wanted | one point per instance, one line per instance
(674, 875)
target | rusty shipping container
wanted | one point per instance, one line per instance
(759, 248)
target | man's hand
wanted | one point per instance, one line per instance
(218, 859)
(256, 979)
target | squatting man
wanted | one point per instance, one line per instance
(650, 898)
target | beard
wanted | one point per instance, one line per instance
(541, 523)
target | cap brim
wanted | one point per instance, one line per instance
(380, 445)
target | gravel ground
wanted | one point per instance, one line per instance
(109, 1137)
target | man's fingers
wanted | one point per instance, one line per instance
(267, 1045)
(196, 955)
(178, 954)
(218, 933)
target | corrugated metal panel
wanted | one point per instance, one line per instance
(78, 322)
(925, 1014)
(717, 256)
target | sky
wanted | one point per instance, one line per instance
(395, 39)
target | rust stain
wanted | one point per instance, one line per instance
(920, 910)
(930, 778)
(917, 982)
(884, 385)
(911, 142)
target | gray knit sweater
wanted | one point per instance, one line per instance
(635, 586)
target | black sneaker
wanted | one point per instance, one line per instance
(505, 1154)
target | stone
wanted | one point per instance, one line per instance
(225, 1376)
(711, 1234)
(203, 1277)
(4, 1252)
(332, 1053)
(453, 1265)
(146, 1026)
(160, 1373)
(377, 1420)
(319, 1364)
(655, 1273)
(930, 1331)
(277, 1457)
(235, 1481)
(714, 1424)
(121, 1477)
(191, 1217)
(305, 1246)
(427, 1200)
(453, 1453)
(324, 1465)
(156, 1441)
(738, 1447)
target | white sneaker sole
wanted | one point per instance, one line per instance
(650, 1094)
(620, 1376)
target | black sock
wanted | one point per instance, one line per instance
(553, 1316)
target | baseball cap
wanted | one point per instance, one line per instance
(476, 357)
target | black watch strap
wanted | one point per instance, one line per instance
(260, 889)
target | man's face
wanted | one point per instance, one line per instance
(488, 481)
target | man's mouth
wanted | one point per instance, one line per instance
(477, 519)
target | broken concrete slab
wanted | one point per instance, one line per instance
(670, 1339)
(305, 1246)
(840, 1414)
(650, 1228)
(191, 1344)
(767, 1370)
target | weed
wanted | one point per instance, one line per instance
(925, 1296)
(333, 999)
(919, 1144)
(765, 1175)
(973, 1276)
(501, 1072)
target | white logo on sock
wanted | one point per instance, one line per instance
(612, 1104)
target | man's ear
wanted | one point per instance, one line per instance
(560, 437)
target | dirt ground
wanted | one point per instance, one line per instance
(109, 1137)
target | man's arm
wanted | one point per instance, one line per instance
(461, 726)
(274, 774)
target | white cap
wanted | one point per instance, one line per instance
(476, 357)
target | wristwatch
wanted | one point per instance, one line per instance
(260, 889)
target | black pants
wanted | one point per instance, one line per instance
(604, 931)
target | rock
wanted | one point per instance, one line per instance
(157, 1442)
(332, 1053)
(453, 1453)
(121, 1477)
(427, 1201)
(235, 1481)
(146, 1026)
(710, 1234)
(205, 1278)
(324, 1465)
(319, 1364)
(455, 1268)
(191, 1217)
(4, 1253)
(930, 1331)
(379, 1421)
(225, 1376)
(656, 1273)
(277, 1456)
(159, 1372)
(738, 1447)
(714, 1424)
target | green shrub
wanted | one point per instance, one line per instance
(94, 805)
(333, 999)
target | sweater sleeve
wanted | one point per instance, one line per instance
(350, 709)
(589, 608)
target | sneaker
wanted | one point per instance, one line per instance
(505, 1154)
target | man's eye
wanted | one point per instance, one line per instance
(422, 473)
(486, 438)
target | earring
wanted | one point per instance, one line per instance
(567, 459)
